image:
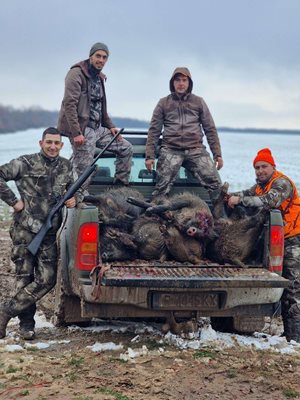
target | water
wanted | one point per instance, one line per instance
(239, 150)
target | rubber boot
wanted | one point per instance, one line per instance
(27, 323)
(4, 319)
(27, 334)
(292, 329)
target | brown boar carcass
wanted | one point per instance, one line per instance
(189, 214)
(182, 247)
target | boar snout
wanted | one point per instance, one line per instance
(192, 231)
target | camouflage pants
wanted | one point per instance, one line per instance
(197, 161)
(35, 275)
(83, 155)
(290, 301)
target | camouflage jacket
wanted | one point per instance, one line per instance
(40, 181)
(281, 190)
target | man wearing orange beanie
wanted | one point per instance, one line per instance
(272, 190)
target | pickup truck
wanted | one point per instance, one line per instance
(236, 299)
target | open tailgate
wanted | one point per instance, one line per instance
(175, 275)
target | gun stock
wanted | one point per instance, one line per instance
(34, 245)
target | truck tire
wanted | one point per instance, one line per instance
(222, 324)
(240, 324)
(248, 325)
(67, 308)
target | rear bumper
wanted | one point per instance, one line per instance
(151, 291)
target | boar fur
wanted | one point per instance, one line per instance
(238, 235)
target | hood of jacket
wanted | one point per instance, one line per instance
(84, 66)
(184, 71)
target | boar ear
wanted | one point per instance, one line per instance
(111, 204)
(200, 216)
(212, 235)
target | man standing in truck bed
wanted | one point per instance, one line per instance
(41, 179)
(275, 190)
(84, 118)
(183, 117)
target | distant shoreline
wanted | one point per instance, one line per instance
(260, 130)
(13, 120)
(139, 125)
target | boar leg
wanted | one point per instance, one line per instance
(160, 209)
(138, 203)
(217, 198)
(239, 263)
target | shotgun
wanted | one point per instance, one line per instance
(47, 225)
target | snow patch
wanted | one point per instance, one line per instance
(39, 345)
(12, 348)
(130, 353)
(208, 337)
(97, 347)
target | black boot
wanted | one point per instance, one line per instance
(27, 323)
(27, 334)
(292, 329)
(4, 319)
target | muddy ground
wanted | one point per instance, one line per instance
(68, 369)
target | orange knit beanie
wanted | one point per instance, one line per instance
(264, 155)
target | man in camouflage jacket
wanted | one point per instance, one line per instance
(41, 179)
(184, 119)
(275, 190)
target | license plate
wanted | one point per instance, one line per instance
(187, 301)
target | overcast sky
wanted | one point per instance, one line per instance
(244, 55)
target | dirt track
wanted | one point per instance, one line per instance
(67, 369)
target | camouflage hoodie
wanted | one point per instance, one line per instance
(40, 181)
(183, 121)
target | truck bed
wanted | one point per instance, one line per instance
(142, 289)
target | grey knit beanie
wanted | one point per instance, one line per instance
(99, 46)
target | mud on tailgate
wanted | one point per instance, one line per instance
(179, 276)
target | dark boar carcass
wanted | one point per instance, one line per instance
(116, 244)
(238, 235)
(149, 238)
(113, 208)
(182, 247)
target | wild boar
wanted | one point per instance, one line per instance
(182, 247)
(113, 208)
(149, 238)
(189, 214)
(237, 236)
(116, 245)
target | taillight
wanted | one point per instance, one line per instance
(87, 246)
(276, 249)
